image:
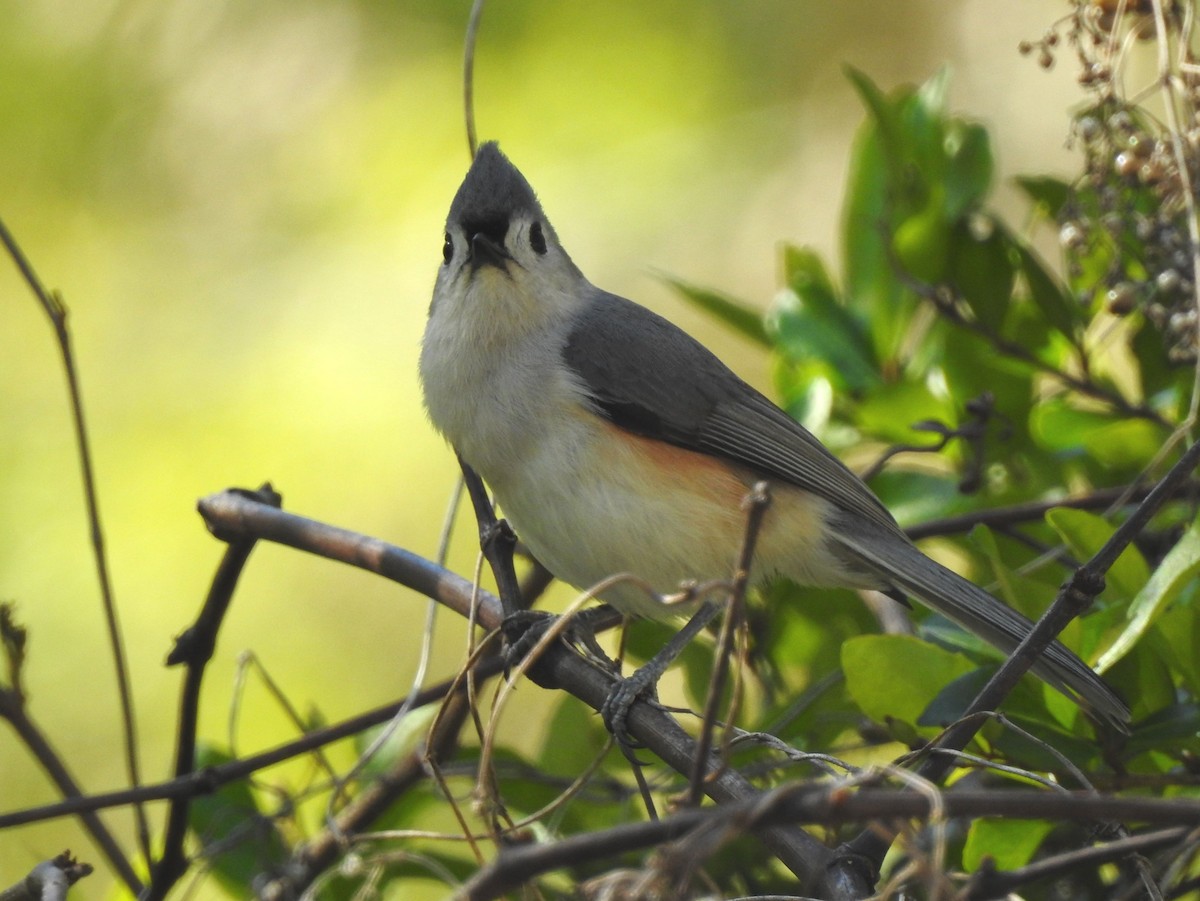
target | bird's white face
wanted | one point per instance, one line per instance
(511, 268)
(502, 305)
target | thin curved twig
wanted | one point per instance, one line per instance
(56, 311)
(469, 74)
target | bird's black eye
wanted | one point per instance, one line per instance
(447, 249)
(537, 240)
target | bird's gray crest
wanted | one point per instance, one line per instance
(493, 191)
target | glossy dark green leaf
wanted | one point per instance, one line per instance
(897, 675)
(1050, 295)
(229, 819)
(885, 119)
(805, 273)
(1145, 674)
(805, 391)
(1049, 193)
(916, 496)
(575, 734)
(798, 631)
(1028, 329)
(921, 241)
(983, 271)
(1180, 627)
(973, 368)
(1007, 843)
(1005, 583)
(1159, 376)
(1049, 744)
(1085, 533)
(804, 626)
(809, 321)
(1063, 427)
(402, 738)
(1175, 726)
(875, 181)
(934, 92)
(1126, 445)
(969, 171)
(1112, 440)
(923, 122)
(891, 412)
(950, 703)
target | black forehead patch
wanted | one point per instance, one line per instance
(495, 229)
(493, 191)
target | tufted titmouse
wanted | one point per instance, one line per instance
(614, 442)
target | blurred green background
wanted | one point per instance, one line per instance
(242, 203)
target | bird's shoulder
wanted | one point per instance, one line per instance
(648, 376)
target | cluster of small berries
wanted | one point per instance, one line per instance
(1129, 230)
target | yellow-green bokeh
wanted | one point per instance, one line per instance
(242, 203)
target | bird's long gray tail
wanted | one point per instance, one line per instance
(892, 557)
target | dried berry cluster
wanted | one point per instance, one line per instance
(1125, 229)
(1128, 228)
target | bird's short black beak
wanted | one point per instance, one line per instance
(486, 251)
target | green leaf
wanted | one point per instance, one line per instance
(805, 273)
(877, 179)
(921, 242)
(886, 119)
(952, 700)
(1011, 586)
(897, 676)
(804, 627)
(890, 412)
(915, 496)
(1144, 675)
(392, 876)
(806, 392)
(250, 843)
(925, 125)
(1158, 376)
(969, 173)
(741, 316)
(1177, 571)
(933, 93)
(808, 322)
(1048, 193)
(1179, 626)
(1115, 443)
(574, 736)
(407, 734)
(972, 366)
(1125, 443)
(1037, 750)
(1177, 725)
(1085, 533)
(799, 631)
(1008, 843)
(983, 271)
(1050, 295)
(1063, 427)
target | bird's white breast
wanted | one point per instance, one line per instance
(589, 499)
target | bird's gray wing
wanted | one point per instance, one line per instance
(965, 603)
(648, 376)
